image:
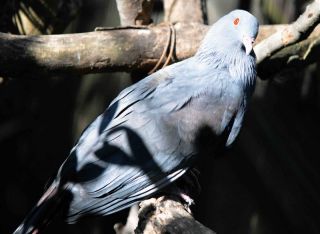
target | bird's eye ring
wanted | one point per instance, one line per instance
(236, 21)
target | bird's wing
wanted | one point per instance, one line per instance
(143, 141)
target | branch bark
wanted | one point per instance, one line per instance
(292, 57)
(114, 49)
(192, 11)
(136, 12)
(139, 48)
(292, 33)
(125, 49)
(167, 215)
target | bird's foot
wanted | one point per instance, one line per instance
(187, 200)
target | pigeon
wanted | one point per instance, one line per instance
(148, 137)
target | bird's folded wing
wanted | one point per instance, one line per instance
(141, 143)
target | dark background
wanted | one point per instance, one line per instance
(268, 183)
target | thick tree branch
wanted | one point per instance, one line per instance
(121, 49)
(116, 49)
(139, 48)
(298, 30)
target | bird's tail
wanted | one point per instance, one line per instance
(41, 214)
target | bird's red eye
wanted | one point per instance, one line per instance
(236, 21)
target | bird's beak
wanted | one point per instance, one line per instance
(248, 43)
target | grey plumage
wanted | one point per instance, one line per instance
(147, 137)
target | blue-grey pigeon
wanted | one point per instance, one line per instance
(148, 136)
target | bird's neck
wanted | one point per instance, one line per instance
(242, 67)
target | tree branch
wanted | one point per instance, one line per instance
(137, 12)
(192, 11)
(121, 49)
(167, 215)
(292, 57)
(114, 49)
(139, 48)
(292, 33)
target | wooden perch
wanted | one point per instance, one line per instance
(167, 215)
(135, 48)
(115, 49)
(119, 49)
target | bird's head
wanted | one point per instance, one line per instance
(234, 31)
(244, 26)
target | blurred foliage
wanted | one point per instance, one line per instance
(37, 16)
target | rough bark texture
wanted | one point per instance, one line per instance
(37, 17)
(167, 215)
(300, 29)
(183, 11)
(118, 49)
(291, 57)
(135, 12)
(125, 49)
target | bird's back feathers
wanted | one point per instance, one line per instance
(145, 139)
